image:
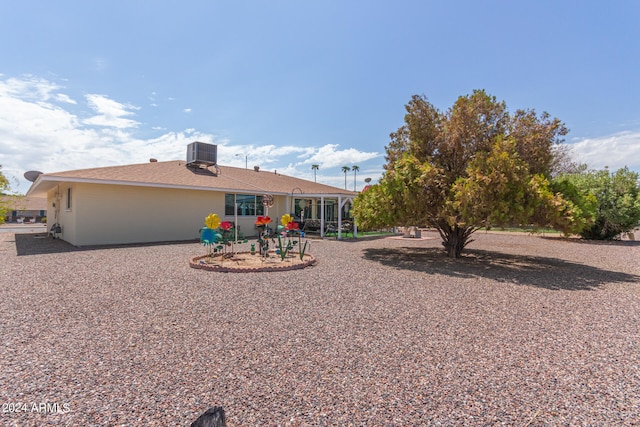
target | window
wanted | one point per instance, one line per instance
(330, 210)
(69, 198)
(248, 204)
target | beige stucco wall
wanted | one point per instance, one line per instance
(57, 212)
(115, 214)
(110, 214)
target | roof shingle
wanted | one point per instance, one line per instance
(176, 174)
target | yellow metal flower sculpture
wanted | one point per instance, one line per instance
(286, 219)
(212, 221)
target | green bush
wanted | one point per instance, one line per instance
(616, 209)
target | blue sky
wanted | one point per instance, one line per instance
(294, 83)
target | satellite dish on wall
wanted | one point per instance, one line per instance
(32, 175)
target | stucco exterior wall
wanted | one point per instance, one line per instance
(62, 210)
(103, 214)
(114, 214)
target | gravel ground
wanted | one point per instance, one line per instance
(523, 331)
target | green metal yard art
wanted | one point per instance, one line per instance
(220, 237)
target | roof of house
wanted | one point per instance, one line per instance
(22, 203)
(176, 174)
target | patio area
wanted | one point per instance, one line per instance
(524, 330)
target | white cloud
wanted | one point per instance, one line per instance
(31, 88)
(297, 161)
(38, 134)
(329, 156)
(264, 156)
(110, 113)
(29, 121)
(61, 97)
(38, 131)
(187, 110)
(615, 151)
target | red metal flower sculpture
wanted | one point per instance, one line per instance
(292, 226)
(263, 221)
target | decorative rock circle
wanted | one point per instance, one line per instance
(238, 263)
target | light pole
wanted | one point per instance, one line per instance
(246, 160)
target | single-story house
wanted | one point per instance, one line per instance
(169, 200)
(23, 209)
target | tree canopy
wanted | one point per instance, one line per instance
(472, 166)
(612, 199)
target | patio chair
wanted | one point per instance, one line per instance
(347, 228)
(332, 228)
(311, 226)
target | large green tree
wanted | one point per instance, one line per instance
(474, 165)
(613, 200)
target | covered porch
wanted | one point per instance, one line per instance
(323, 213)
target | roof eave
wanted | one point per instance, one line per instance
(46, 182)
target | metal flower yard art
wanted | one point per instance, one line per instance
(288, 229)
(262, 224)
(284, 234)
(212, 221)
(219, 235)
(209, 236)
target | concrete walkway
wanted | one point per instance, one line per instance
(23, 228)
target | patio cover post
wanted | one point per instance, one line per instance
(340, 217)
(322, 216)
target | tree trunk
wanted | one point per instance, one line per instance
(454, 239)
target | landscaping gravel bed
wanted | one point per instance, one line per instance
(523, 331)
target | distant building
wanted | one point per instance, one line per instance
(25, 209)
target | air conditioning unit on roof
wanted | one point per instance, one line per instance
(199, 153)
